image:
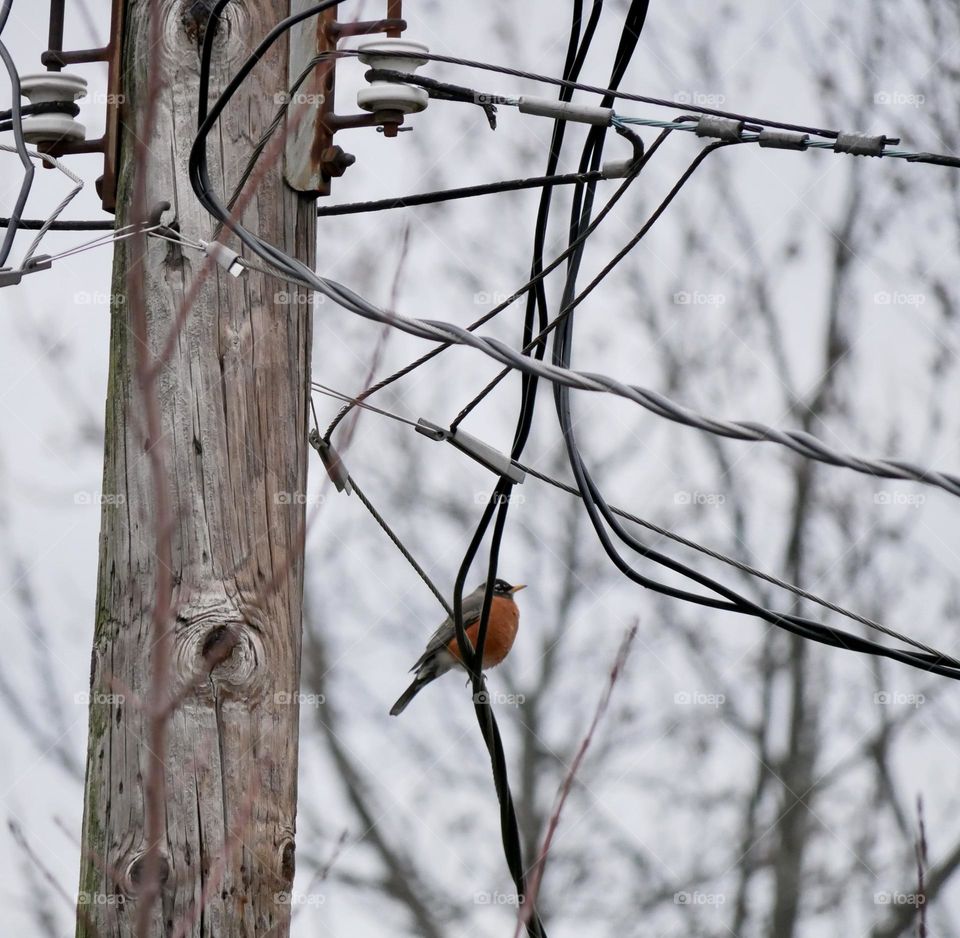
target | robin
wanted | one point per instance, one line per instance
(442, 652)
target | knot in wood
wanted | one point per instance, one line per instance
(219, 651)
(136, 873)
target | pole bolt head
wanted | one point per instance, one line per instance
(334, 161)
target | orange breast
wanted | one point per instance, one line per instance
(501, 632)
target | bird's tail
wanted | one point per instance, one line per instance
(417, 685)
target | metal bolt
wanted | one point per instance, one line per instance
(334, 161)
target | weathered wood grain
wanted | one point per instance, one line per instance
(233, 398)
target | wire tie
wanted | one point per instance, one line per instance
(499, 463)
(783, 139)
(331, 462)
(860, 144)
(722, 128)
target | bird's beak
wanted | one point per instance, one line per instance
(518, 587)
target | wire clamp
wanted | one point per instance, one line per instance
(226, 257)
(332, 462)
(860, 144)
(497, 462)
(722, 128)
(783, 139)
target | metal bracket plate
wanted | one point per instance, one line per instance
(310, 159)
(55, 58)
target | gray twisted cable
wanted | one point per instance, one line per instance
(67, 199)
(798, 441)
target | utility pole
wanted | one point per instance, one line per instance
(231, 400)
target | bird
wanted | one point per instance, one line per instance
(442, 652)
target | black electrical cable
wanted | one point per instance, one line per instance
(34, 224)
(599, 511)
(464, 192)
(472, 656)
(43, 107)
(536, 305)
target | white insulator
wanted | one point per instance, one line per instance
(391, 95)
(48, 87)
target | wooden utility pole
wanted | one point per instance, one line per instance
(230, 402)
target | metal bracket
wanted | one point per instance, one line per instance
(55, 58)
(311, 159)
(492, 459)
(9, 277)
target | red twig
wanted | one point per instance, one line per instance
(162, 645)
(922, 864)
(528, 902)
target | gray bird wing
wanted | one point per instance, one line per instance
(472, 607)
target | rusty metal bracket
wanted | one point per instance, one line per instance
(311, 158)
(55, 58)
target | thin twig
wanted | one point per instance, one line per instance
(922, 864)
(162, 648)
(528, 902)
